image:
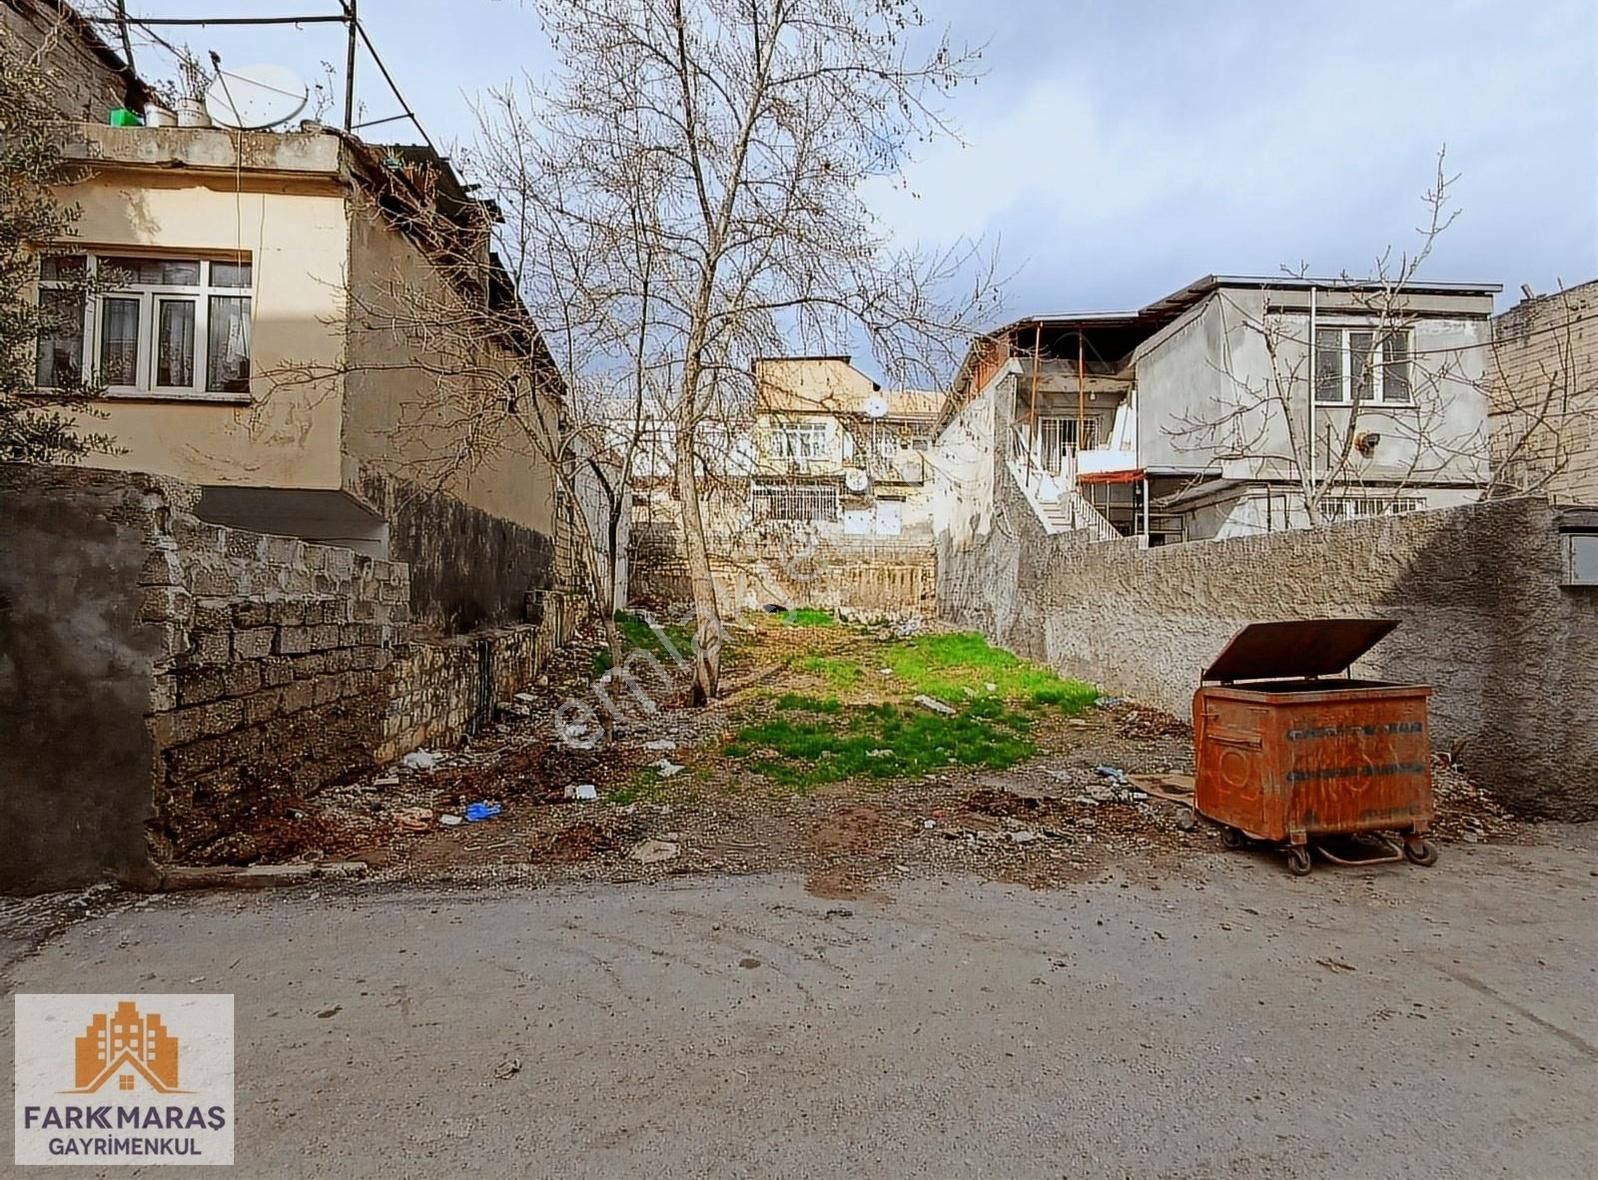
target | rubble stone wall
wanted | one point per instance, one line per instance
(167, 684)
(276, 681)
(1511, 654)
(441, 691)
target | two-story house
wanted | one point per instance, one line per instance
(235, 320)
(835, 451)
(1240, 405)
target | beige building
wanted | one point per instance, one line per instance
(271, 319)
(1543, 388)
(832, 449)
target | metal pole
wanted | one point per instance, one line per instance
(122, 28)
(1314, 381)
(1032, 410)
(1081, 396)
(349, 64)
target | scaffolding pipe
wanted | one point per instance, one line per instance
(349, 65)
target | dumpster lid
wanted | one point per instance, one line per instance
(1296, 648)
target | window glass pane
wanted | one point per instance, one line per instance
(153, 272)
(1329, 365)
(1361, 362)
(60, 338)
(227, 351)
(119, 341)
(1395, 367)
(61, 268)
(230, 274)
(174, 343)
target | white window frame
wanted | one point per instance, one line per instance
(1378, 395)
(149, 297)
(805, 438)
(1361, 507)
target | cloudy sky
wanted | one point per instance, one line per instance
(1117, 149)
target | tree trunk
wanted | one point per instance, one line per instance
(707, 616)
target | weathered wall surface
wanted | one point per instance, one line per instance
(1543, 385)
(468, 568)
(78, 650)
(863, 579)
(165, 683)
(1511, 655)
(277, 682)
(441, 691)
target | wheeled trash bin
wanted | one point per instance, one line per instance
(1288, 747)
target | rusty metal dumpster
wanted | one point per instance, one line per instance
(1288, 747)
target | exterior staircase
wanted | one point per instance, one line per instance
(1060, 507)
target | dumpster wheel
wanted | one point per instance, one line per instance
(1298, 860)
(1233, 838)
(1421, 851)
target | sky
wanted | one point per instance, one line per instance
(1115, 150)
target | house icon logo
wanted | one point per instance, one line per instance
(129, 1046)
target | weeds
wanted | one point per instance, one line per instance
(959, 666)
(819, 740)
(805, 616)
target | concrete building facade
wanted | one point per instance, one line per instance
(1222, 409)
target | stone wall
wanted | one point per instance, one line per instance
(276, 681)
(442, 691)
(869, 578)
(1511, 655)
(468, 568)
(1543, 386)
(165, 682)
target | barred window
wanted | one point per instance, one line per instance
(808, 503)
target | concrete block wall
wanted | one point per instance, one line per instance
(1511, 655)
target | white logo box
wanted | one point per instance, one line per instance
(124, 1078)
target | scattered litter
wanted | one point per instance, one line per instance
(1114, 773)
(1109, 702)
(386, 780)
(991, 687)
(929, 824)
(583, 791)
(652, 852)
(414, 819)
(879, 753)
(419, 760)
(449, 821)
(1024, 837)
(934, 704)
(526, 698)
(665, 767)
(660, 744)
(478, 812)
(508, 1068)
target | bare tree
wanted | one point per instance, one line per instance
(706, 158)
(1545, 409)
(1266, 417)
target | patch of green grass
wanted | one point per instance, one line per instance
(812, 741)
(836, 671)
(645, 785)
(959, 666)
(636, 634)
(805, 616)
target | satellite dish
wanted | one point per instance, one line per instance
(253, 98)
(876, 406)
(856, 481)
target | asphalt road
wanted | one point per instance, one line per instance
(1229, 1022)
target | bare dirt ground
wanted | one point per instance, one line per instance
(1047, 820)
